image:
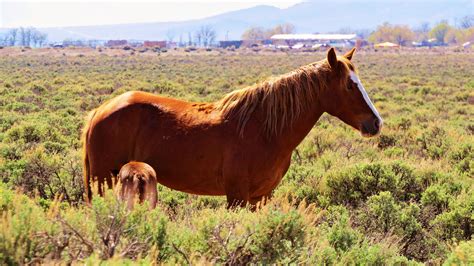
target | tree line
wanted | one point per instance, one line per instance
(260, 33)
(442, 32)
(24, 37)
(205, 36)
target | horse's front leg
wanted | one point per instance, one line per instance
(237, 192)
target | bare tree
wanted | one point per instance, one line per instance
(34, 36)
(466, 22)
(207, 34)
(12, 35)
(180, 43)
(25, 36)
(170, 36)
(197, 38)
(37, 38)
(28, 32)
(42, 39)
(286, 28)
(190, 39)
(425, 27)
(254, 34)
(22, 32)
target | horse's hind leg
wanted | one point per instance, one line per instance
(233, 202)
(99, 176)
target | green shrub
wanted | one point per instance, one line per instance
(227, 237)
(278, 237)
(21, 223)
(463, 158)
(386, 141)
(384, 215)
(325, 255)
(434, 142)
(51, 175)
(377, 254)
(107, 230)
(355, 184)
(437, 196)
(340, 234)
(462, 254)
(340, 244)
(458, 221)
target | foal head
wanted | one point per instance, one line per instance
(346, 98)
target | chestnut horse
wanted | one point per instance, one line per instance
(239, 146)
(137, 180)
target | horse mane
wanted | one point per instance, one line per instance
(281, 98)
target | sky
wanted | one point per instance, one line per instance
(55, 13)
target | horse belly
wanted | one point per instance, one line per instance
(185, 154)
(190, 163)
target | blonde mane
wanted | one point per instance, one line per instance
(282, 99)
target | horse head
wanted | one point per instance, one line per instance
(347, 98)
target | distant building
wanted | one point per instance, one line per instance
(171, 45)
(95, 43)
(112, 43)
(226, 44)
(256, 43)
(386, 45)
(335, 40)
(428, 43)
(159, 44)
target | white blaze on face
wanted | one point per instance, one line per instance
(356, 80)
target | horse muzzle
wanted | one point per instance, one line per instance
(371, 127)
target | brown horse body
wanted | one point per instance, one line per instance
(239, 147)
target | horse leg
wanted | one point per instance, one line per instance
(235, 202)
(259, 201)
(100, 175)
(237, 194)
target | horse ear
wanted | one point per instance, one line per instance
(349, 54)
(332, 58)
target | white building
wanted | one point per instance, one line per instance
(335, 40)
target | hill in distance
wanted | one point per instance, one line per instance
(308, 17)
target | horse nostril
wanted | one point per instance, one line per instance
(377, 124)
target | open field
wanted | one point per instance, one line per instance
(406, 196)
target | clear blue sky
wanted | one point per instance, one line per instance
(78, 13)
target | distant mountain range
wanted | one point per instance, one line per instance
(319, 16)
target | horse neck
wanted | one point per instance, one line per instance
(292, 135)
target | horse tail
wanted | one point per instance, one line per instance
(85, 155)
